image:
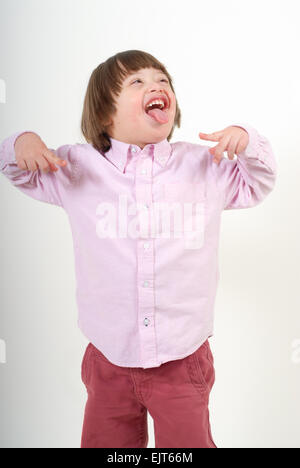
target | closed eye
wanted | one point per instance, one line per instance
(167, 81)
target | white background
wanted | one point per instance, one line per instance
(233, 61)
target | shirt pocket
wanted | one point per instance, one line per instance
(185, 205)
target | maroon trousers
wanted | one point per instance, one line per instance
(176, 394)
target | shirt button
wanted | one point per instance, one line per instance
(144, 171)
(146, 245)
(146, 284)
(146, 322)
(146, 206)
(133, 150)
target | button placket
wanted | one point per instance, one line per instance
(145, 258)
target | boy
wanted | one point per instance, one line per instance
(146, 284)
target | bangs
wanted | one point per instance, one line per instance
(124, 64)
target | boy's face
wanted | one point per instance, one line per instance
(131, 124)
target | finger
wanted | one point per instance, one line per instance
(221, 147)
(26, 164)
(53, 168)
(31, 165)
(43, 164)
(22, 165)
(240, 147)
(211, 136)
(216, 159)
(49, 164)
(231, 148)
(51, 157)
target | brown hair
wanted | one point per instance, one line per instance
(105, 83)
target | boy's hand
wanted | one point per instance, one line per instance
(232, 139)
(32, 154)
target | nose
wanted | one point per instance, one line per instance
(155, 89)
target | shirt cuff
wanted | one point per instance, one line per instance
(9, 146)
(257, 148)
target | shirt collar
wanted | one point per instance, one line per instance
(119, 152)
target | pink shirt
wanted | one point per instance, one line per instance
(144, 298)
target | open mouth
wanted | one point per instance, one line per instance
(159, 103)
(157, 110)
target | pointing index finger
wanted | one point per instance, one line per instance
(210, 136)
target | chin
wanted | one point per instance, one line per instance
(156, 139)
(159, 133)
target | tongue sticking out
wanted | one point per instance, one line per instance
(158, 115)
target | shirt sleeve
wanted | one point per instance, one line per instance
(245, 181)
(43, 186)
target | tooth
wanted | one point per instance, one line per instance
(157, 101)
